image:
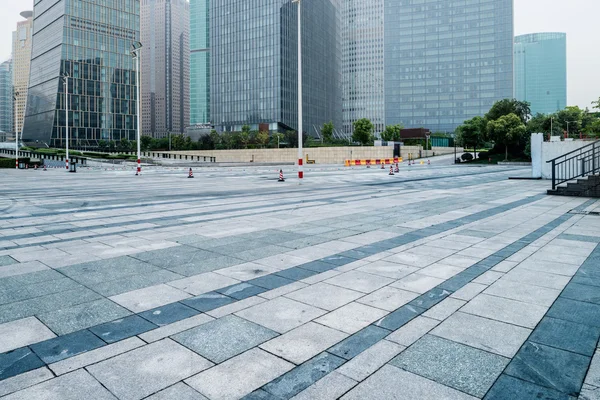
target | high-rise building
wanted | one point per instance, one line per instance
(21, 49)
(7, 127)
(165, 67)
(253, 64)
(446, 61)
(363, 63)
(200, 62)
(90, 41)
(541, 71)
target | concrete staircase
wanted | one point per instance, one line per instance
(584, 187)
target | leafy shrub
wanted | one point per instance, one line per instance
(483, 155)
(467, 157)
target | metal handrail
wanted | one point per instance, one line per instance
(583, 162)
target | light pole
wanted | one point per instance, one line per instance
(300, 153)
(65, 79)
(15, 96)
(136, 49)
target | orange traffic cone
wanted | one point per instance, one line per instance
(391, 170)
(191, 174)
(281, 176)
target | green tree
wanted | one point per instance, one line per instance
(262, 138)
(596, 104)
(363, 131)
(112, 145)
(215, 139)
(188, 145)
(243, 138)
(177, 142)
(521, 109)
(102, 144)
(327, 132)
(570, 120)
(146, 142)
(506, 130)
(392, 133)
(124, 145)
(472, 132)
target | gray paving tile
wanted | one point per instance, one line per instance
(147, 370)
(179, 391)
(42, 304)
(208, 301)
(135, 282)
(325, 296)
(399, 317)
(17, 362)
(74, 386)
(204, 265)
(122, 328)
(240, 375)
(331, 386)
(523, 292)
(302, 376)
(566, 335)
(14, 282)
(575, 291)
(92, 273)
(270, 281)
(224, 338)
(509, 388)
(576, 311)
(23, 332)
(296, 273)
(7, 260)
(168, 313)
(453, 364)
(366, 363)
(505, 310)
(66, 346)
(482, 333)
(358, 342)
(241, 291)
(391, 383)
(281, 314)
(25, 380)
(360, 281)
(25, 292)
(546, 366)
(81, 316)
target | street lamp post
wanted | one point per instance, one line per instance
(65, 79)
(300, 152)
(15, 96)
(136, 49)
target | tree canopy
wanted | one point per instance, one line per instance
(472, 133)
(521, 109)
(506, 130)
(392, 133)
(327, 132)
(363, 131)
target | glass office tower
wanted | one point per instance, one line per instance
(541, 71)
(363, 63)
(6, 101)
(446, 60)
(90, 41)
(200, 62)
(253, 67)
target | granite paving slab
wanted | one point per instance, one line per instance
(223, 338)
(325, 296)
(351, 318)
(509, 388)
(388, 298)
(146, 370)
(566, 335)
(281, 314)
(179, 391)
(123, 328)
(208, 301)
(461, 367)
(62, 347)
(18, 361)
(391, 383)
(168, 313)
(23, 332)
(239, 375)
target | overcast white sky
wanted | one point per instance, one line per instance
(578, 18)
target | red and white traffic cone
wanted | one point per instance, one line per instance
(138, 171)
(383, 165)
(397, 168)
(35, 166)
(191, 174)
(391, 171)
(428, 162)
(281, 176)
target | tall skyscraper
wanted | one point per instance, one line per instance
(363, 63)
(90, 41)
(446, 60)
(165, 67)
(541, 71)
(200, 62)
(21, 49)
(253, 64)
(7, 127)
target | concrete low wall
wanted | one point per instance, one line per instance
(541, 152)
(321, 155)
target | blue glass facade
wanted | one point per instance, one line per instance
(200, 62)
(253, 64)
(541, 71)
(90, 41)
(446, 60)
(6, 101)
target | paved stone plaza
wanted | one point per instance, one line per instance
(440, 282)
